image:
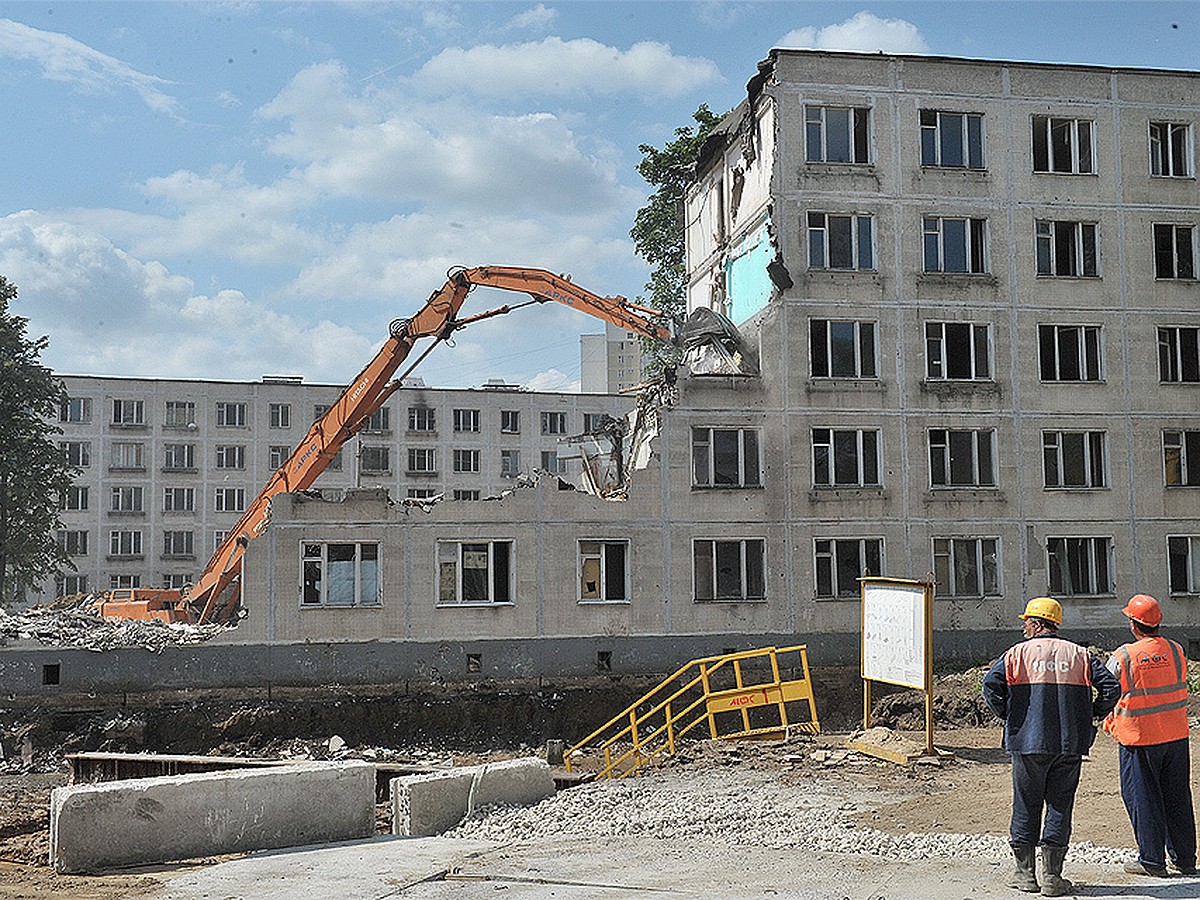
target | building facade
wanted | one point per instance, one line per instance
(974, 285)
(610, 363)
(168, 466)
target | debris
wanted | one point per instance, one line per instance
(79, 626)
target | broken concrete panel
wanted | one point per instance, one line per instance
(153, 820)
(427, 805)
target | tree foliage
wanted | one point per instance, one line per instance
(33, 470)
(658, 230)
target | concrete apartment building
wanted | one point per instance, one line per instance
(968, 291)
(168, 466)
(610, 362)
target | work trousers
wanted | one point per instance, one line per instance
(1156, 788)
(1043, 780)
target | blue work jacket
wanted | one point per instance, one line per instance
(1049, 691)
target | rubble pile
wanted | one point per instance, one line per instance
(82, 627)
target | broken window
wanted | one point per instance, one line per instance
(1080, 565)
(422, 460)
(128, 412)
(231, 456)
(1171, 149)
(966, 567)
(422, 418)
(126, 499)
(841, 241)
(837, 134)
(1183, 563)
(603, 571)
(341, 574)
(379, 422)
(951, 140)
(466, 460)
(75, 409)
(73, 543)
(77, 453)
(729, 569)
(1181, 458)
(375, 460)
(179, 456)
(231, 415)
(1067, 249)
(1064, 146)
(475, 572)
(554, 423)
(466, 420)
(510, 421)
(962, 458)
(1073, 459)
(178, 543)
(179, 499)
(1174, 253)
(957, 351)
(180, 414)
(726, 458)
(840, 562)
(1178, 354)
(845, 457)
(279, 415)
(842, 349)
(510, 463)
(1070, 352)
(955, 245)
(128, 455)
(125, 543)
(229, 499)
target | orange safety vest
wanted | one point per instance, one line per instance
(1153, 704)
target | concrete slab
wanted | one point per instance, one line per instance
(153, 820)
(426, 805)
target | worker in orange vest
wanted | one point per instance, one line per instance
(1150, 722)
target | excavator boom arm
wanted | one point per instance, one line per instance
(216, 593)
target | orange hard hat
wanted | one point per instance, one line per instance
(1144, 609)
(1043, 608)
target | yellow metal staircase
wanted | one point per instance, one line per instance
(735, 695)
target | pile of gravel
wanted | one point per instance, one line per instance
(751, 809)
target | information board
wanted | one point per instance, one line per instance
(894, 632)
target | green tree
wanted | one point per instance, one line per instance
(658, 230)
(33, 470)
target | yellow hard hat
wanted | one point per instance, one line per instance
(1043, 608)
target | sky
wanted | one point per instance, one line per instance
(224, 190)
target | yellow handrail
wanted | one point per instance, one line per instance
(656, 722)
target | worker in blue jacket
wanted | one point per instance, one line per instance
(1049, 691)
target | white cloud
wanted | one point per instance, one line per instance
(553, 380)
(554, 67)
(864, 32)
(67, 60)
(533, 19)
(382, 145)
(107, 312)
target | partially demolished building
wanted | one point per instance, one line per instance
(968, 310)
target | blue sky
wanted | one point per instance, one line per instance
(226, 190)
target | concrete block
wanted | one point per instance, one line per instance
(153, 820)
(429, 804)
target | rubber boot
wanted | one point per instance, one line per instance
(1053, 884)
(1024, 878)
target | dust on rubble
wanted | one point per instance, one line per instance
(79, 625)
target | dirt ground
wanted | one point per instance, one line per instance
(968, 793)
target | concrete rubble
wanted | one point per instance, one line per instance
(82, 627)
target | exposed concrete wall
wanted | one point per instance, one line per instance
(426, 805)
(263, 666)
(154, 820)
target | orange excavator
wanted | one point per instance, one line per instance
(216, 595)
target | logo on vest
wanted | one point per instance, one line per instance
(1153, 660)
(1050, 665)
